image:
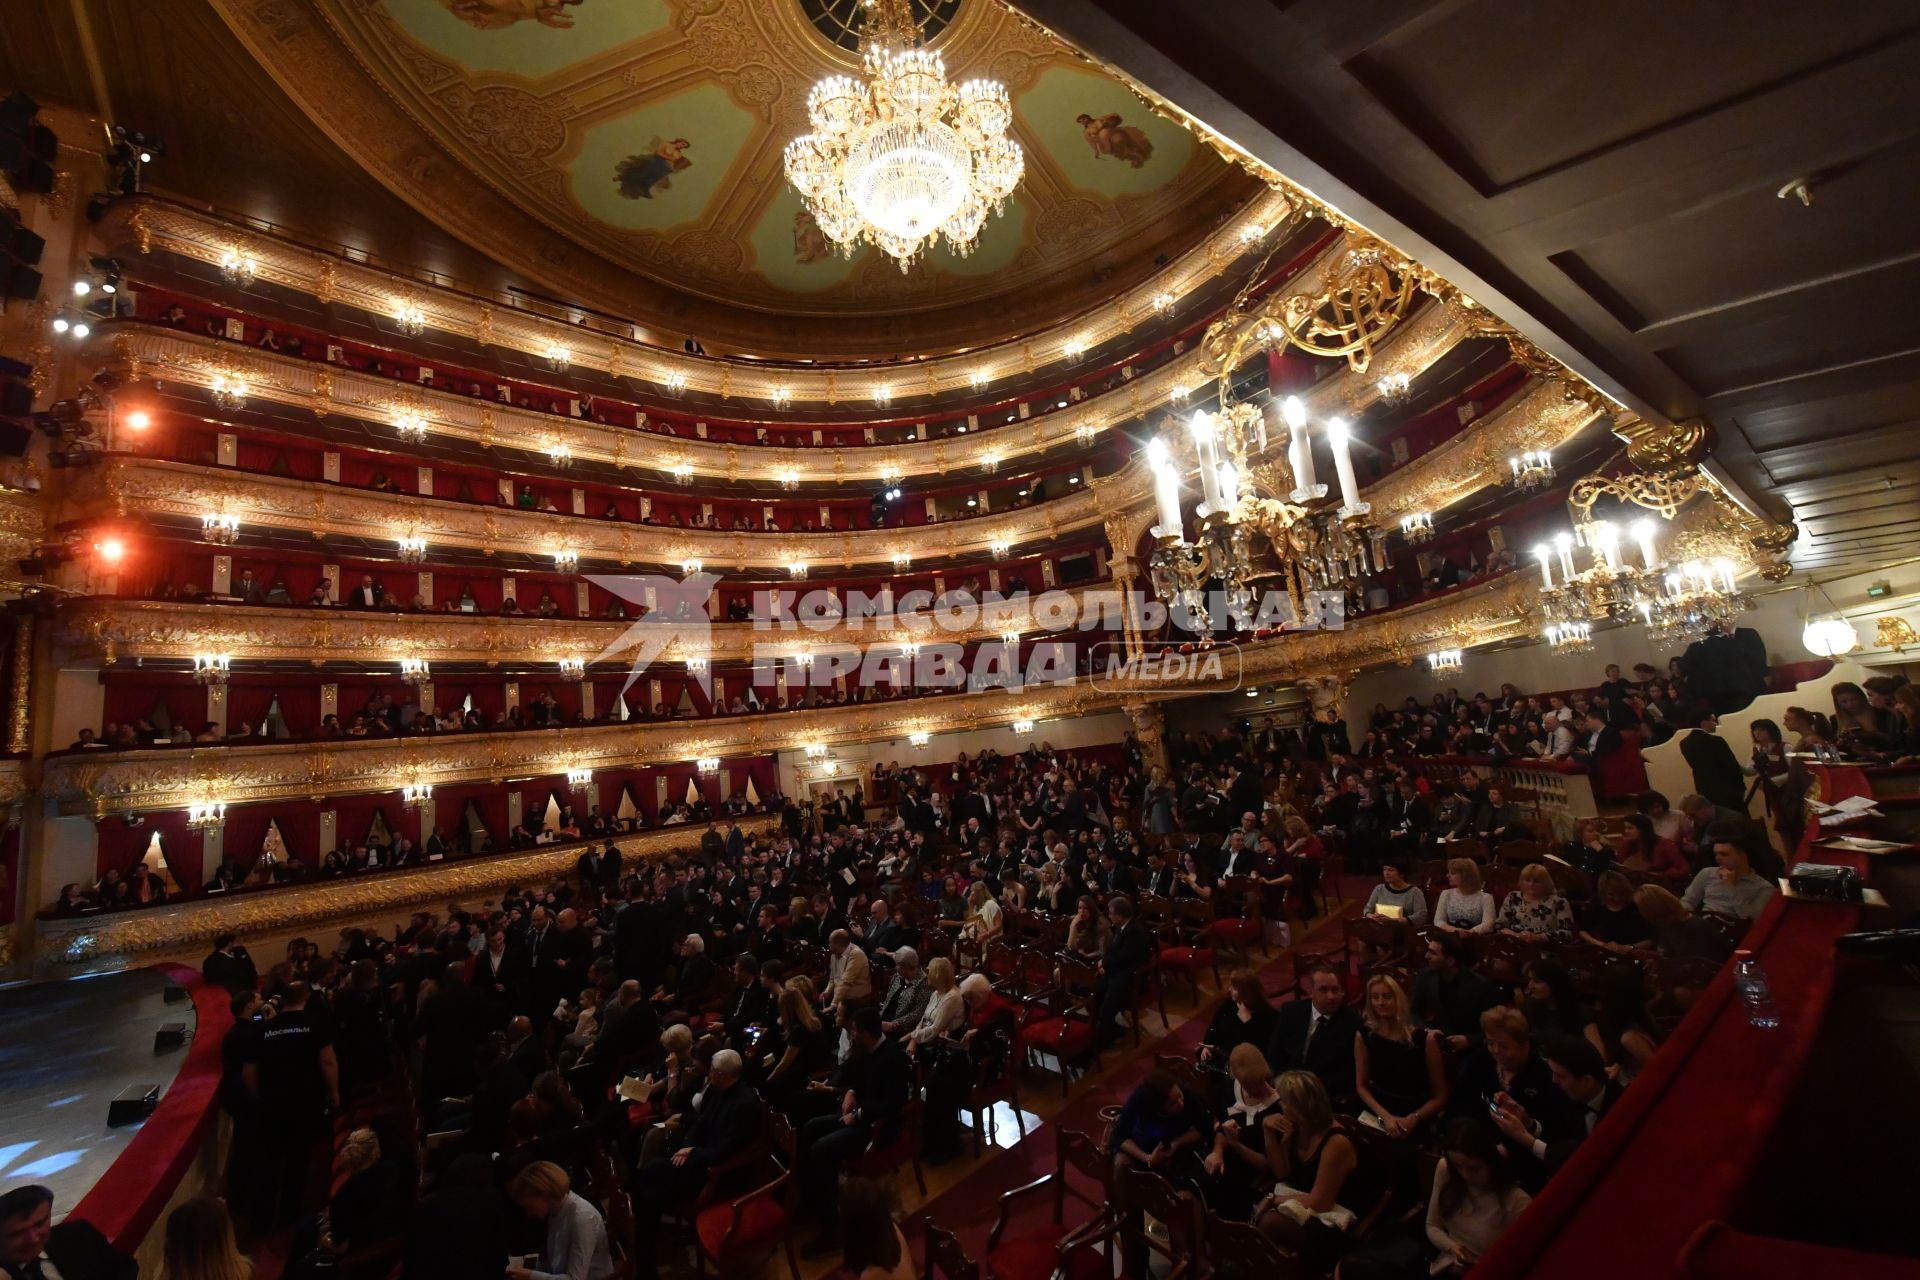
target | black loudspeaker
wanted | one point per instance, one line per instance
(174, 995)
(171, 1035)
(132, 1104)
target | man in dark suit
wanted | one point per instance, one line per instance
(501, 968)
(1598, 739)
(1541, 1146)
(1129, 951)
(879, 1080)
(32, 1248)
(1316, 1034)
(1449, 997)
(883, 933)
(727, 1122)
(1717, 774)
(229, 966)
(1160, 876)
(368, 595)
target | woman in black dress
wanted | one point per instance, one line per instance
(1398, 1070)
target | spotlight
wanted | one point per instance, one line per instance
(82, 329)
(111, 550)
(139, 420)
(61, 324)
(81, 288)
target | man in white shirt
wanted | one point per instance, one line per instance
(848, 976)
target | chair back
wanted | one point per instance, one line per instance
(946, 1258)
(1178, 1211)
(1243, 1251)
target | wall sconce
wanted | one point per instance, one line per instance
(681, 471)
(206, 816)
(560, 454)
(417, 794)
(1163, 303)
(707, 764)
(566, 559)
(816, 750)
(413, 548)
(1074, 350)
(410, 426)
(579, 779)
(796, 568)
(979, 378)
(415, 671)
(1000, 547)
(1022, 727)
(689, 567)
(573, 668)
(698, 666)
(228, 393)
(411, 319)
(674, 384)
(211, 668)
(788, 478)
(782, 397)
(883, 396)
(559, 359)
(902, 560)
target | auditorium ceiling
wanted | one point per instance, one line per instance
(1620, 180)
(626, 154)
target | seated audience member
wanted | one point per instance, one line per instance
(1497, 820)
(1129, 951)
(1622, 1029)
(1582, 1095)
(1321, 1187)
(1162, 1129)
(1245, 1017)
(1537, 908)
(1611, 920)
(1677, 931)
(1642, 848)
(726, 1120)
(1731, 887)
(1316, 1034)
(576, 1244)
(978, 1055)
(1475, 1198)
(907, 994)
(1589, 849)
(1449, 997)
(1398, 1070)
(1504, 1069)
(1552, 1005)
(1463, 906)
(29, 1241)
(871, 1112)
(1238, 1172)
(945, 1008)
(1405, 901)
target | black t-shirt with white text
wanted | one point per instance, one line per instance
(287, 1054)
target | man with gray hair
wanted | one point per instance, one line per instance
(691, 984)
(907, 995)
(726, 1121)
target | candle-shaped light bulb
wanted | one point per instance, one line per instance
(1299, 448)
(1563, 543)
(1166, 487)
(1606, 539)
(1642, 531)
(1727, 574)
(1229, 484)
(1206, 445)
(1544, 554)
(1338, 437)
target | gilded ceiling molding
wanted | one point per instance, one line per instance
(112, 631)
(124, 485)
(145, 224)
(116, 940)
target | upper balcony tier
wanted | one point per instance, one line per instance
(596, 340)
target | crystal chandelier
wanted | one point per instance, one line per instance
(1570, 637)
(1532, 470)
(1319, 543)
(1695, 600)
(1609, 587)
(219, 527)
(904, 158)
(1395, 389)
(205, 816)
(211, 668)
(1445, 663)
(417, 795)
(416, 671)
(1417, 528)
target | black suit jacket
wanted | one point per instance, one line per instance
(1330, 1056)
(1128, 951)
(509, 973)
(725, 1124)
(881, 1081)
(80, 1252)
(888, 937)
(235, 972)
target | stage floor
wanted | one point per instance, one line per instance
(66, 1048)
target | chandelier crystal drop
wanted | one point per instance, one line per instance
(903, 159)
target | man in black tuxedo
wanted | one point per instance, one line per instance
(368, 595)
(1316, 1034)
(1160, 876)
(228, 965)
(32, 1248)
(1129, 951)
(500, 969)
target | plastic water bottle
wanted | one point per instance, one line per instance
(1751, 980)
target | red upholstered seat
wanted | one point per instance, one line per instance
(1188, 958)
(763, 1221)
(883, 1160)
(1034, 1256)
(1067, 1037)
(1236, 930)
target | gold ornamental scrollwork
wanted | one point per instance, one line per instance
(1662, 492)
(1365, 294)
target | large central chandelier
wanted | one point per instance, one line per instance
(1675, 603)
(904, 158)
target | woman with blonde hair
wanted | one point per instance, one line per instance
(945, 1005)
(1397, 1069)
(983, 921)
(1237, 1165)
(1320, 1189)
(1464, 906)
(1537, 909)
(576, 1247)
(806, 1045)
(200, 1244)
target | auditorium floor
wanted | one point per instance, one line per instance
(964, 1194)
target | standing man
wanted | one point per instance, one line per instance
(293, 1077)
